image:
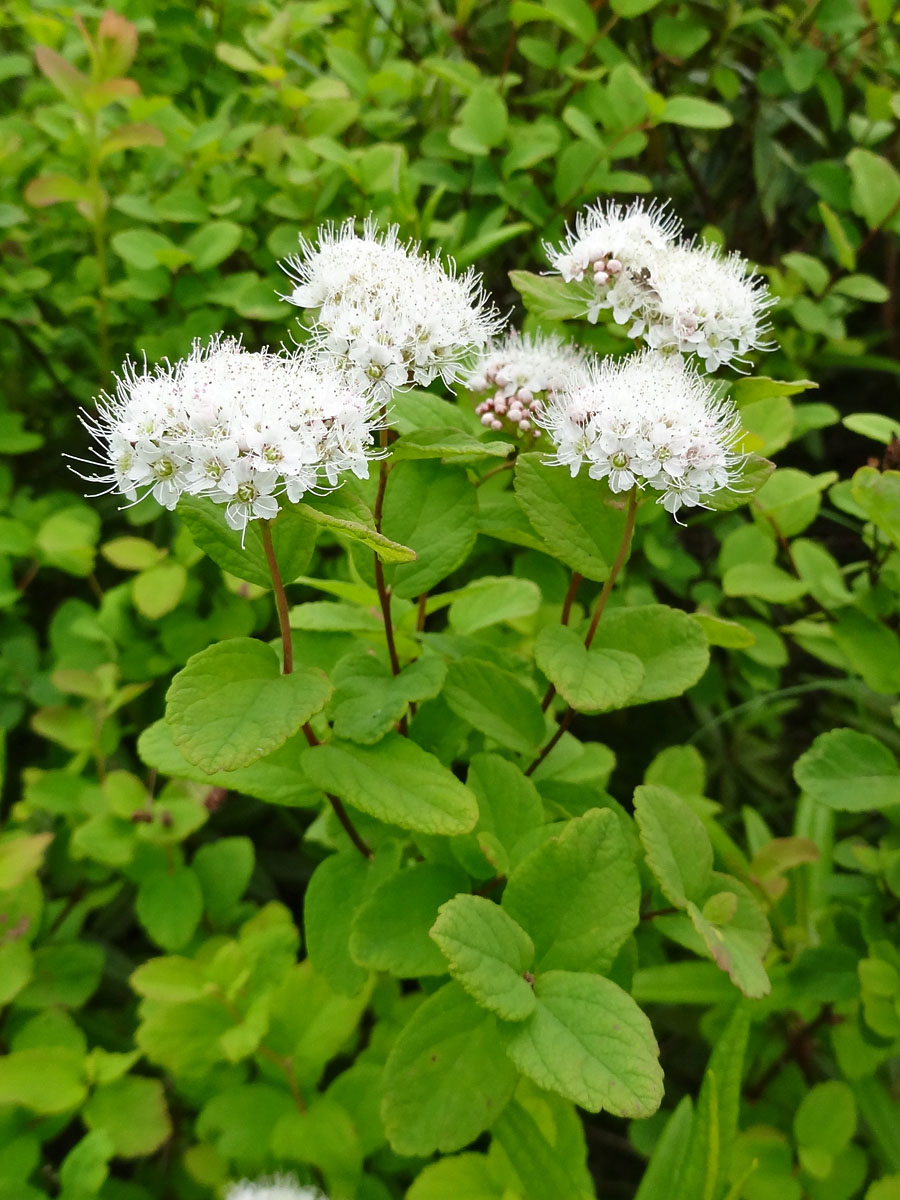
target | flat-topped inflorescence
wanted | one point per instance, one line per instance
(275, 1187)
(517, 376)
(242, 428)
(387, 313)
(647, 421)
(675, 295)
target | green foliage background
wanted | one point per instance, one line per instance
(156, 1029)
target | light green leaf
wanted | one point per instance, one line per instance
(468, 1175)
(575, 517)
(45, 1079)
(826, 1118)
(449, 445)
(878, 494)
(391, 930)
(292, 536)
(448, 1077)
(223, 868)
(738, 944)
(133, 1112)
(230, 705)
(495, 702)
(678, 849)
(213, 243)
(488, 953)
(669, 1154)
(876, 186)
(395, 781)
(483, 118)
(791, 499)
(159, 589)
(143, 249)
(339, 514)
(169, 906)
(431, 508)
(21, 855)
(550, 298)
(875, 426)
(849, 771)
(765, 580)
(696, 113)
(509, 807)
(577, 895)
(670, 643)
(493, 599)
(589, 1041)
(368, 699)
(532, 1133)
(590, 680)
(871, 648)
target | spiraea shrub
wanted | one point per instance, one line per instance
(451, 587)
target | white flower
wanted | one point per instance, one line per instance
(242, 428)
(390, 315)
(517, 376)
(648, 420)
(674, 294)
(276, 1187)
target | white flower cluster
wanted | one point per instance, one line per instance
(277, 1187)
(675, 294)
(242, 428)
(388, 314)
(518, 376)
(647, 420)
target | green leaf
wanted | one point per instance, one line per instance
(589, 1041)
(632, 8)
(590, 680)
(343, 514)
(876, 186)
(669, 1154)
(547, 1165)
(878, 494)
(550, 298)
(575, 517)
(447, 1078)
(695, 113)
(843, 249)
(324, 1135)
(765, 580)
(670, 643)
(509, 807)
(276, 778)
(66, 975)
(159, 589)
(577, 895)
(67, 540)
(875, 426)
(792, 498)
(739, 943)
(169, 906)
(230, 705)
(224, 868)
(144, 249)
(21, 855)
(483, 119)
(86, 1167)
(131, 553)
(431, 508)
(706, 1170)
(391, 929)
(491, 600)
(45, 1079)
(495, 702)
(468, 1175)
(369, 700)
(871, 648)
(825, 1121)
(488, 954)
(678, 849)
(171, 979)
(849, 771)
(292, 536)
(862, 287)
(449, 445)
(213, 243)
(395, 781)
(338, 887)
(133, 1112)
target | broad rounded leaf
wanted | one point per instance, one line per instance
(396, 781)
(589, 1041)
(670, 643)
(594, 680)
(230, 705)
(488, 954)
(577, 895)
(495, 702)
(430, 508)
(133, 1112)
(849, 771)
(293, 537)
(46, 1079)
(575, 517)
(678, 849)
(448, 1076)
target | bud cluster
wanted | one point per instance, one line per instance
(517, 376)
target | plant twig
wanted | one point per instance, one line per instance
(337, 805)
(281, 603)
(384, 592)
